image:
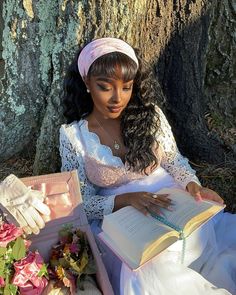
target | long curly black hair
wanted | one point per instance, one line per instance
(139, 121)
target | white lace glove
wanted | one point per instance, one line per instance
(24, 204)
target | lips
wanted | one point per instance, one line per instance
(115, 109)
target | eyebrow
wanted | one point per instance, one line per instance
(105, 79)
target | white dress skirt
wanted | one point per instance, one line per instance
(209, 262)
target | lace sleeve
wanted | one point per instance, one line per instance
(71, 153)
(172, 161)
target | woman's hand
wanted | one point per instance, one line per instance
(144, 202)
(199, 193)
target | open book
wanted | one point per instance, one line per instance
(137, 238)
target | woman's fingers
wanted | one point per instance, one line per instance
(160, 196)
(162, 201)
(195, 190)
(211, 195)
(155, 209)
(155, 204)
(199, 192)
(142, 206)
(197, 195)
(148, 202)
(165, 205)
(145, 206)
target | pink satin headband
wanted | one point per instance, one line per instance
(100, 47)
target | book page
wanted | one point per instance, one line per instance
(132, 230)
(185, 207)
(131, 259)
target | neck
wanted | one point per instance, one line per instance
(108, 129)
(99, 118)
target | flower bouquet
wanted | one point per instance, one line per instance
(24, 272)
(71, 262)
(21, 271)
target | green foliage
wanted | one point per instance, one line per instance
(2, 251)
(2, 266)
(10, 290)
(72, 259)
(43, 271)
(19, 250)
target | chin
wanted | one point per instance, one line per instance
(113, 115)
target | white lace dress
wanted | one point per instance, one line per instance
(210, 256)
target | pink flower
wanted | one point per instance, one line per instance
(8, 233)
(30, 289)
(2, 282)
(26, 275)
(74, 248)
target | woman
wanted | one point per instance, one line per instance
(124, 150)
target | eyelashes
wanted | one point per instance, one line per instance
(103, 88)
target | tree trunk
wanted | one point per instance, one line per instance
(185, 69)
(178, 37)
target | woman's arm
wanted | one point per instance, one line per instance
(178, 166)
(71, 153)
(172, 161)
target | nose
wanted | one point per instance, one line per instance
(117, 95)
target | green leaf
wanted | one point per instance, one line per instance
(10, 290)
(3, 251)
(2, 266)
(43, 271)
(83, 260)
(19, 250)
(78, 265)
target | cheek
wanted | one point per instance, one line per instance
(100, 101)
(127, 98)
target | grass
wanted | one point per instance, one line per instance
(19, 166)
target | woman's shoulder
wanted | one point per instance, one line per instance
(72, 134)
(72, 131)
(71, 126)
(159, 112)
(164, 124)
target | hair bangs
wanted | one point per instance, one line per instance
(114, 65)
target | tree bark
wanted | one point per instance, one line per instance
(177, 37)
(184, 69)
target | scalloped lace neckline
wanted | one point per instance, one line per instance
(105, 147)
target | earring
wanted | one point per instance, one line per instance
(88, 90)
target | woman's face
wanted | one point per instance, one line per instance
(110, 96)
